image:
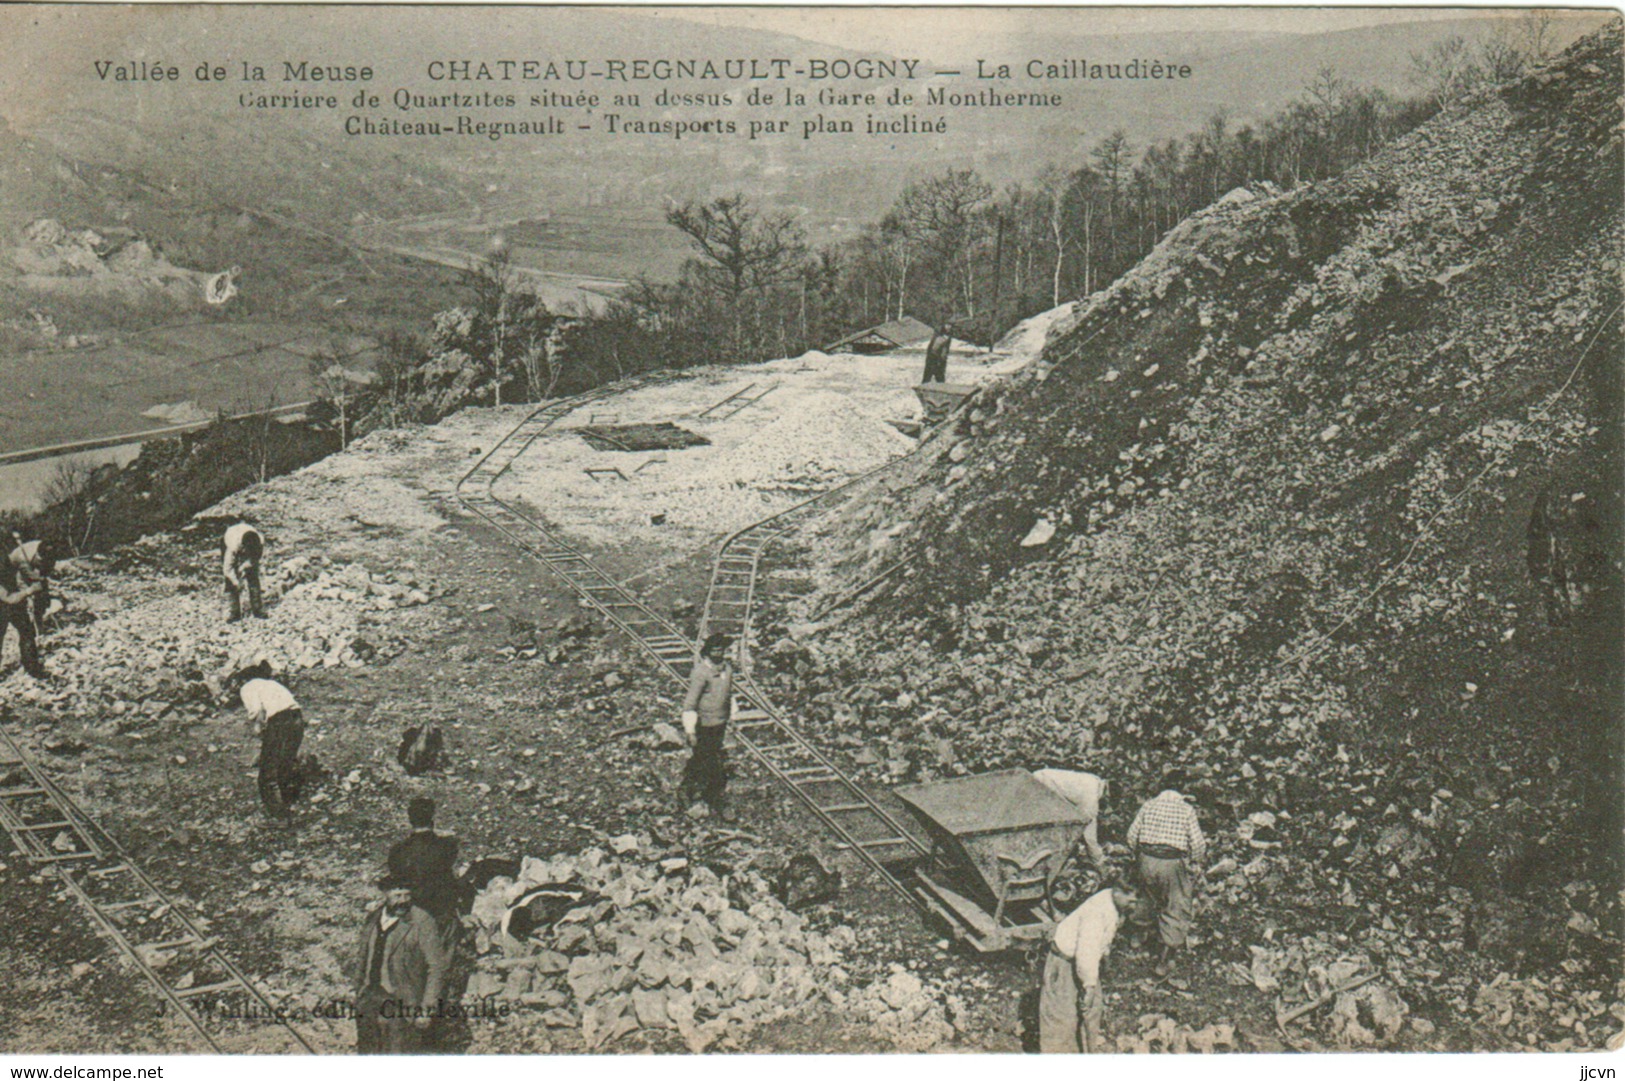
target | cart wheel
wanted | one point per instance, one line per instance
(1071, 887)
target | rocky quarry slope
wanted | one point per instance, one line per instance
(1320, 501)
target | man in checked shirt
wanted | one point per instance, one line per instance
(1169, 846)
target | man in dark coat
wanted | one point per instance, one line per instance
(424, 861)
(401, 976)
(936, 355)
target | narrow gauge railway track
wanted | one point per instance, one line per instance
(860, 824)
(731, 597)
(170, 948)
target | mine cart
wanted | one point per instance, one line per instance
(940, 399)
(999, 843)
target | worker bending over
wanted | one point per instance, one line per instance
(35, 562)
(244, 548)
(281, 724)
(1070, 1004)
(1086, 792)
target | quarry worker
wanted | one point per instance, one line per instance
(706, 710)
(244, 549)
(281, 724)
(16, 596)
(35, 562)
(936, 355)
(1086, 792)
(1168, 843)
(400, 976)
(1070, 1004)
(425, 861)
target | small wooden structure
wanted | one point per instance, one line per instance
(999, 841)
(883, 338)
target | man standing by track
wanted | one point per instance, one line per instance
(401, 975)
(706, 710)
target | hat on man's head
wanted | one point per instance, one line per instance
(393, 881)
(716, 642)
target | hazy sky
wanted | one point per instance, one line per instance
(934, 31)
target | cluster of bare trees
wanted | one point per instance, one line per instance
(953, 246)
(950, 246)
(1454, 68)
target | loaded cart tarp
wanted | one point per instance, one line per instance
(999, 839)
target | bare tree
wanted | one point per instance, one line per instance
(744, 250)
(943, 213)
(68, 503)
(1445, 71)
(1059, 192)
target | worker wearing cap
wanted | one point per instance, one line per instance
(706, 710)
(1070, 1004)
(1168, 843)
(1086, 792)
(281, 726)
(244, 548)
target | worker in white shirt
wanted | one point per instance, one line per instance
(1086, 792)
(34, 562)
(244, 549)
(281, 726)
(1070, 1004)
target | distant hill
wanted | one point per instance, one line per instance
(197, 137)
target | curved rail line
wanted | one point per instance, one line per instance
(730, 599)
(51, 831)
(861, 824)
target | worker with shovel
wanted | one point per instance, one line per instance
(706, 710)
(35, 562)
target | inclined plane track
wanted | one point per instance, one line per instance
(154, 934)
(860, 824)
